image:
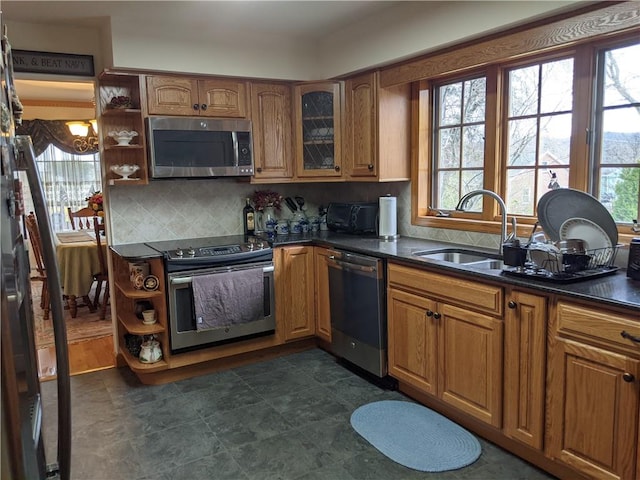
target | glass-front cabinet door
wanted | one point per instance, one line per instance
(318, 130)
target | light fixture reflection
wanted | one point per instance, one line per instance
(83, 140)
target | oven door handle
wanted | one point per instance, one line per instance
(187, 280)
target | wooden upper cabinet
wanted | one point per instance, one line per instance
(199, 97)
(272, 144)
(377, 131)
(317, 123)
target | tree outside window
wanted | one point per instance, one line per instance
(617, 140)
(538, 131)
(459, 144)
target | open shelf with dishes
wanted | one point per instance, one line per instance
(131, 299)
(122, 131)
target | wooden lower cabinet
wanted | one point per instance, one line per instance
(323, 307)
(412, 340)
(593, 391)
(450, 351)
(470, 362)
(295, 290)
(525, 330)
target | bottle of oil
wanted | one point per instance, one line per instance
(249, 218)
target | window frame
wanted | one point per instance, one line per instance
(581, 163)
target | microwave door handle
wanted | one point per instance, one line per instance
(236, 159)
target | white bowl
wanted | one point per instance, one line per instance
(124, 170)
(123, 137)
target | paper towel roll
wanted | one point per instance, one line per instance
(388, 227)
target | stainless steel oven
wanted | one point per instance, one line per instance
(189, 260)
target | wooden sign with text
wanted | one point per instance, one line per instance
(50, 62)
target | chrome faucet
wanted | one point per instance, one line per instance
(462, 204)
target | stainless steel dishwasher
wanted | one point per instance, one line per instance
(358, 310)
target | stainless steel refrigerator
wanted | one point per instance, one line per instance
(22, 445)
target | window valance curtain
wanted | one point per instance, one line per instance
(46, 132)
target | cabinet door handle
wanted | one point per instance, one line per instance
(628, 336)
(429, 313)
(512, 304)
(337, 168)
(203, 107)
(628, 377)
(437, 316)
(196, 106)
(259, 169)
(370, 166)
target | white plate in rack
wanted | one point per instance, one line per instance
(597, 240)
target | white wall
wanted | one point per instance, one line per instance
(57, 38)
(414, 28)
(401, 31)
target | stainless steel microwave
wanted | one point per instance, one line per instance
(197, 147)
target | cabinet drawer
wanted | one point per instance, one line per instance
(599, 325)
(482, 297)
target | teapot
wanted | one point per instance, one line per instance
(150, 351)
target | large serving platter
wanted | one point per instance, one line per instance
(557, 206)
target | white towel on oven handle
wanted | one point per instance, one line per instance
(229, 298)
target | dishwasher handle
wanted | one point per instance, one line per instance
(351, 266)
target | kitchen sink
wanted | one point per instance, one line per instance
(459, 256)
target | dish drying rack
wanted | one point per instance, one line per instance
(552, 266)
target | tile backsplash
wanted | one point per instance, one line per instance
(174, 209)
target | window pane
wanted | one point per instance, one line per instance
(523, 91)
(557, 86)
(449, 148)
(622, 68)
(475, 92)
(459, 140)
(620, 192)
(471, 180)
(522, 142)
(448, 190)
(450, 104)
(520, 191)
(555, 138)
(473, 146)
(621, 135)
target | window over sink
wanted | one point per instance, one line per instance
(521, 126)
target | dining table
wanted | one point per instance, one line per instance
(78, 262)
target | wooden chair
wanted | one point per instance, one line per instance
(83, 219)
(103, 275)
(36, 246)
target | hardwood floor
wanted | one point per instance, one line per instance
(84, 357)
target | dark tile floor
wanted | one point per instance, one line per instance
(286, 418)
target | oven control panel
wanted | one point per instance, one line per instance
(188, 252)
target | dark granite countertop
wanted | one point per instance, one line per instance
(615, 290)
(135, 251)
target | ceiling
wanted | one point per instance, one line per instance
(295, 20)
